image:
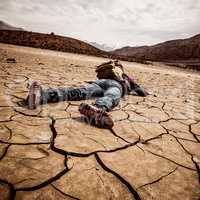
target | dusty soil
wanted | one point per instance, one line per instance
(152, 153)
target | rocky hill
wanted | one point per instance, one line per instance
(182, 49)
(48, 41)
(5, 26)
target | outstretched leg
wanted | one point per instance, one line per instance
(71, 94)
(96, 113)
(39, 96)
(110, 99)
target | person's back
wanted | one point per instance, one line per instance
(114, 70)
(110, 70)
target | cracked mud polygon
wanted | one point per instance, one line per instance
(152, 152)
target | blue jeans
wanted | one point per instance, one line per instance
(108, 92)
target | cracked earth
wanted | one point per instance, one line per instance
(152, 152)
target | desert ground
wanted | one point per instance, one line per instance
(152, 152)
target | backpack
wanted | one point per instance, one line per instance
(110, 70)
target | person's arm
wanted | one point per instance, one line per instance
(131, 81)
(135, 89)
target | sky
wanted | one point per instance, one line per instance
(116, 23)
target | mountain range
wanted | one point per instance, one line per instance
(181, 49)
(103, 47)
(174, 50)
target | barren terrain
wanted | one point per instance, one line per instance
(48, 41)
(152, 153)
(173, 50)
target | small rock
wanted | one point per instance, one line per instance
(11, 60)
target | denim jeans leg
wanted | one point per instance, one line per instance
(110, 99)
(71, 94)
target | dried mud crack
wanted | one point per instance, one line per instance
(152, 152)
(126, 183)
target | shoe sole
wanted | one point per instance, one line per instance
(34, 96)
(101, 119)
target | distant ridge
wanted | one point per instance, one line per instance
(5, 26)
(182, 49)
(103, 47)
(49, 41)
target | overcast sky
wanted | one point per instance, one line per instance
(114, 22)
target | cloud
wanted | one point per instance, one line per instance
(115, 22)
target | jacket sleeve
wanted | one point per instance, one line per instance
(135, 89)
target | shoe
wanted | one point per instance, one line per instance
(96, 116)
(34, 96)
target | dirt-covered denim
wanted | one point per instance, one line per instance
(108, 93)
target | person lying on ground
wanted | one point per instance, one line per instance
(112, 84)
